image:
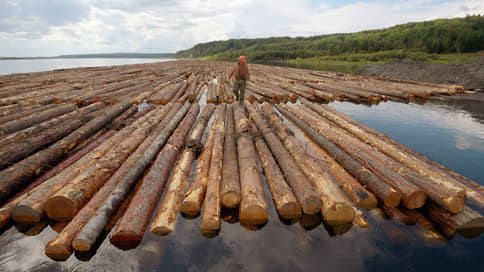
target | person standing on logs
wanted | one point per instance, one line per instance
(241, 74)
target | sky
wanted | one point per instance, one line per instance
(31, 28)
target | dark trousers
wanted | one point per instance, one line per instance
(239, 89)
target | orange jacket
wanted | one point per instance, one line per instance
(240, 71)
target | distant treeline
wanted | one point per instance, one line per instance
(458, 35)
(120, 55)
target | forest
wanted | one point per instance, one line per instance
(441, 36)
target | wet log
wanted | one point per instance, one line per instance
(300, 184)
(64, 204)
(195, 137)
(14, 177)
(336, 208)
(194, 196)
(360, 219)
(6, 210)
(191, 89)
(132, 225)
(141, 159)
(399, 155)
(32, 208)
(165, 219)
(120, 121)
(466, 221)
(28, 121)
(24, 113)
(284, 199)
(253, 205)
(230, 184)
(211, 207)
(374, 184)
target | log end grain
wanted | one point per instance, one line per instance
(392, 199)
(210, 224)
(81, 245)
(25, 214)
(455, 204)
(310, 221)
(230, 199)
(253, 215)
(290, 210)
(60, 208)
(338, 214)
(312, 205)
(58, 252)
(415, 200)
(161, 230)
(190, 208)
(125, 240)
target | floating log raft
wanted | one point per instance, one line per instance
(61, 156)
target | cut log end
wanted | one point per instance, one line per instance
(81, 245)
(312, 205)
(253, 215)
(415, 200)
(338, 214)
(190, 208)
(230, 199)
(57, 252)
(161, 230)
(25, 215)
(392, 199)
(455, 204)
(290, 210)
(125, 240)
(210, 224)
(60, 208)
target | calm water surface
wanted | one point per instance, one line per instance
(39, 65)
(444, 132)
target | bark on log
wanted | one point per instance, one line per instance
(305, 194)
(31, 209)
(467, 220)
(36, 118)
(253, 205)
(284, 199)
(385, 193)
(14, 177)
(165, 219)
(230, 186)
(336, 208)
(132, 225)
(211, 207)
(194, 196)
(195, 137)
(142, 158)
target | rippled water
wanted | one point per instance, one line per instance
(446, 133)
(39, 65)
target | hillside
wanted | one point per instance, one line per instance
(458, 35)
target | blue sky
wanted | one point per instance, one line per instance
(55, 27)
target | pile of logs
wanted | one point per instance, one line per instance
(95, 148)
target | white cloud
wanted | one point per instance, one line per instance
(88, 26)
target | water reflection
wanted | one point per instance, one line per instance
(308, 245)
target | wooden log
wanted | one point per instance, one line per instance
(142, 158)
(467, 220)
(336, 208)
(230, 184)
(305, 194)
(120, 121)
(64, 204)
(284, 199)
(132, 225)
(165, 219)
(211, 208)
(14, 177)
(194, 196)
(400, 156)
(6, 209)
(191, 89)
(195, 137)
(31, 209)
(25, 122)
(380, 189)
(24, 113)
(253, 205)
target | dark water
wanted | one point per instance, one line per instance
(444, 132)
(39, 65)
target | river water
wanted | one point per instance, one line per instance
(451, 133)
